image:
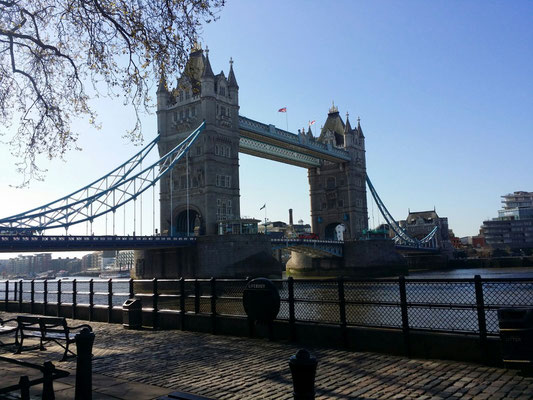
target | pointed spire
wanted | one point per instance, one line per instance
(232, 82)
(208, 72)
(347, 127)
(333, 108)
(359, 127)
(162, 84)
(309, 133)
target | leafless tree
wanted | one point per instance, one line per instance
(50, 50)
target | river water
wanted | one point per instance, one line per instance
(516, 272)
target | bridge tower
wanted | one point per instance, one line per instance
(211, 194)
(338, 191)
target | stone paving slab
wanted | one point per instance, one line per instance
(139, 364)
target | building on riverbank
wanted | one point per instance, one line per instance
(513, 228)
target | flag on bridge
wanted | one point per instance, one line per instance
(264, 205)
(312, 122)
(284, 109)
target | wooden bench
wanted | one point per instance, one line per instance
(8, 327)
(48, 329)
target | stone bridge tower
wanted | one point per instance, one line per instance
(212, 190)
(338, 191)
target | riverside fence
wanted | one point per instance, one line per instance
(467, 306)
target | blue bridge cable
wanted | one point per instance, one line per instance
(400, 232)
(32, 219)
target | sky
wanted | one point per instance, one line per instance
(444, 90)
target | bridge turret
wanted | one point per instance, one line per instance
(232, 84)
(338, 190)
(208, 77)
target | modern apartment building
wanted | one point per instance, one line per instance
(513, 228)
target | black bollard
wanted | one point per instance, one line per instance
(24, 383)
(84, 368)
(303, 370)
(48, 383)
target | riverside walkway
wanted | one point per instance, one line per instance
(148, 364)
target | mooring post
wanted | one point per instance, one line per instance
(48, 383)
(84, 369)
(303, 370)
(24, 383)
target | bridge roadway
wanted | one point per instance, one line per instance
(37, 243)
(82, 243)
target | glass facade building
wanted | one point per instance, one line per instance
(514, 226)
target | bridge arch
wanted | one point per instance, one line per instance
(195, 220)
(336, 231)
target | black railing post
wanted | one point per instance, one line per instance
(342, 312)
(91, 298)
(109, 300)
(15, 291)
(480, 305)
(292, 318)
(130, 284)
(196, 296)
(45, 295)
(182, 303)
(59, 297)
(7, 295)
(74, 298)
(32, 298)
(48, 384)
(213, 305)
(155, 295)
(84, 379)
(405, 315)
(24, 384)
(20, 296)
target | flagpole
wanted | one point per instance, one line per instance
(265, 219)
(287, 121)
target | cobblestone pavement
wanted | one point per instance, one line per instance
(227, 368)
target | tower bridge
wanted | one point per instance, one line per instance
(201, 134)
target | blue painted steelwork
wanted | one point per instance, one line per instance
(94, 200)
(401, 238)
(314, 248)
(77, 243)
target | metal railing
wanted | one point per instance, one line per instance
(467, 306)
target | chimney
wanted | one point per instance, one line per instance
(290, 216)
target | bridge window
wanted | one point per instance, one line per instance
(359, 203)
(330, 183)
(193, 111)
(324, 206)
(341, 203)
(331, 204)
(181, 95)
(187, 95)
(224, 209)
(222, 91)
(223, 181)
(198, 150)
(181, 114)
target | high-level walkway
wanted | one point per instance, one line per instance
(149, 364)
